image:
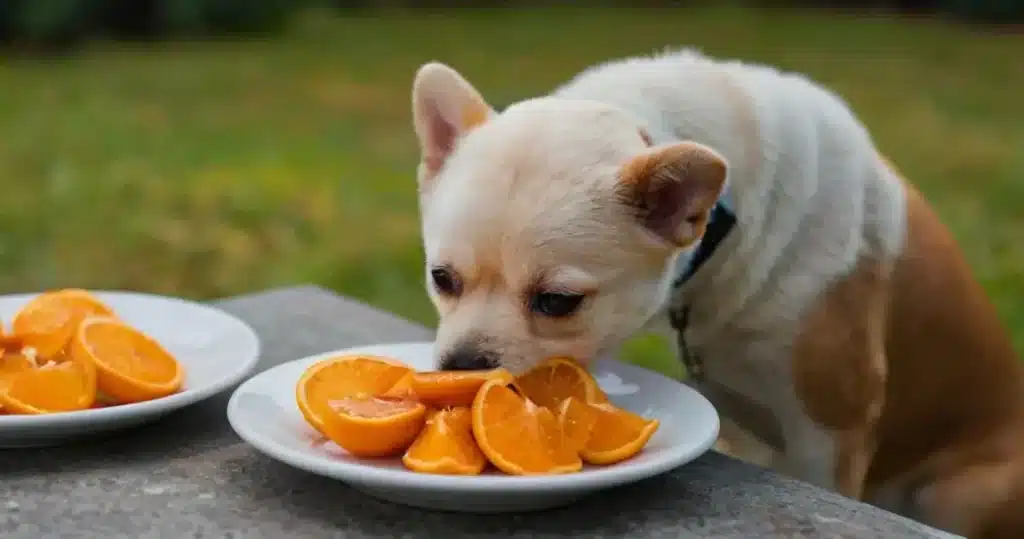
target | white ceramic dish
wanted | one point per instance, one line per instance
(216, 349)
(263, 412)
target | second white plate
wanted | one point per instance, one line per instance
(216, 349)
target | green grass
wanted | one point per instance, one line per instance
(208, 169)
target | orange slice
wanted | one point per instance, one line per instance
(446, 445)
(616, 434)
(369, 426)
(556, 379)
(130, 366)
(49, 321)
(453, 388)
(576, 419)
(53, 387)
(346, 376)
(517, 436)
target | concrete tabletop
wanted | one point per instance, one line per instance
(189, 475)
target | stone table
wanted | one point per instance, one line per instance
(189, 475)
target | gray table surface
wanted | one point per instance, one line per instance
(189, 475)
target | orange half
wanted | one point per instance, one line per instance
(347, 376)
(369, 426)
(48, 322)
(130, 365)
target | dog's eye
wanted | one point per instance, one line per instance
(445, 282)
(554, 304)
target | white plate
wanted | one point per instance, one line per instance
(263, 412)
(216, 349)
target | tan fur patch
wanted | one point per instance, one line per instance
(838, 357)
(839, 367)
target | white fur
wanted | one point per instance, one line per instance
(804, 179)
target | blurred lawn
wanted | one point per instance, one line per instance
(208, 169)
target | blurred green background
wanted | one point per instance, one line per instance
(204, 164)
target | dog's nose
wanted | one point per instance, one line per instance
(469, 358)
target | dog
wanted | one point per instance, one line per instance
(817, 300)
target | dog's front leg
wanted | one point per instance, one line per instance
(829, 458)
(839, 368)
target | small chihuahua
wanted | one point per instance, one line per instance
(815, 297)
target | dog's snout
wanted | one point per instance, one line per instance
(470, 357)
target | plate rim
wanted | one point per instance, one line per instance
(170, 403)
(357, 474)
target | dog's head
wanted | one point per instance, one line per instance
(549, 229)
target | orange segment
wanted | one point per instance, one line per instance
(577, 420)
(616, 435)
(368, 426)
(346, 376)
(453, 388)
(516, 435)
(560, 449)
(557, 379)
(53, 387)
(48, 322)
(446, 445)
(130, 366)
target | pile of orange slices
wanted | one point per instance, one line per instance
(68, 351)
(550, 420)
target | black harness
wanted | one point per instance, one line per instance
(720, 223)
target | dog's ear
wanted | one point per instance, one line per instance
(445, 107)
(672, 189)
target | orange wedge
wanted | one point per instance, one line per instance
(130, 366)
(53, 387)
(453, 388)
(49, 321)
(347, 376)
(616, 434)
(556, 379)
(369, 426)
(576, 419)
(517, 436)
(446, 445)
